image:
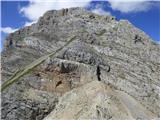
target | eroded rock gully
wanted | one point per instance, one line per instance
(111, 71)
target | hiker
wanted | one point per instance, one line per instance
(98, 73)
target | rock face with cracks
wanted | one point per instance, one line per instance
(110, 71)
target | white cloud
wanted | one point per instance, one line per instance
(29, 23)
(99, 10)
(8, 30)
(128, 6)
(37, 8)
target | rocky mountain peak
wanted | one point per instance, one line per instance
(110, 71)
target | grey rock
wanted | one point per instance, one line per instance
(116, 53)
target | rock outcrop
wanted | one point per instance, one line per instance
(110, 71)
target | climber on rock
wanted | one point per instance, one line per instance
(98, 73)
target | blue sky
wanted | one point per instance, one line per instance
(143, 14)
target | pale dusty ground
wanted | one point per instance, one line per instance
(97, 101)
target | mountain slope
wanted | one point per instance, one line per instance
(115, 53)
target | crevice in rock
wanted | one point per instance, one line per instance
(137, 39)
(98, 112)
(58, 83)
(109, 69)
(63, 69)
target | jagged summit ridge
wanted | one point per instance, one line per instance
(106, 52)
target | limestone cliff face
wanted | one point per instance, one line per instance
(110, 71)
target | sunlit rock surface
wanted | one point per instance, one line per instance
(111, 71)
